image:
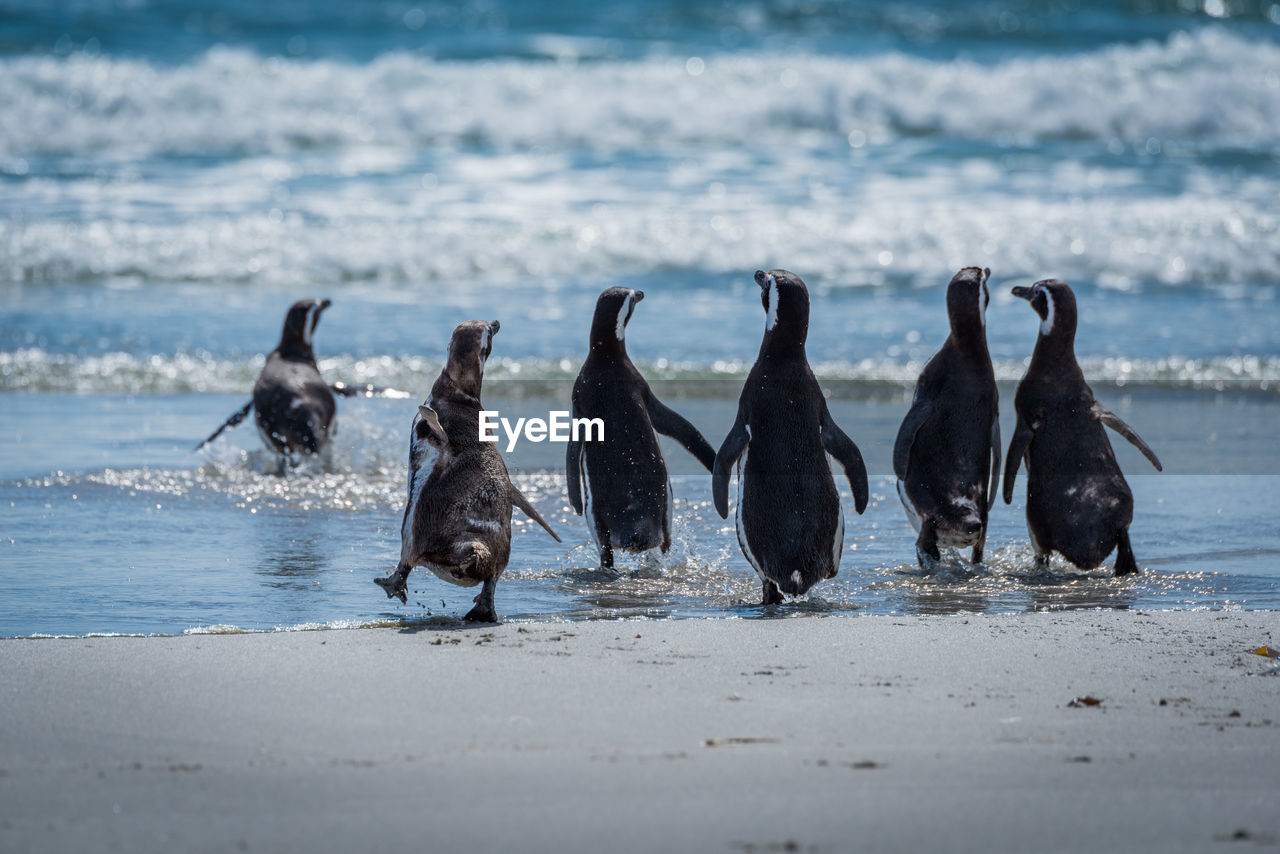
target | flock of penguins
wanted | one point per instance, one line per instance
(457, 522)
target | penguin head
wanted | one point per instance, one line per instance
(1053, 300)
(967, 300)
(469, 349)
(786, 306)
(299, 325)
(613, 312)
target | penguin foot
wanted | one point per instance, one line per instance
(928, 562)
(482, 614)
(1125, 562)
(395, 587)
(772, 595)
(927, 554)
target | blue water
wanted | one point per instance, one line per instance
(173, 174)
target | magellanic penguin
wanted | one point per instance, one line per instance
(457, 522)
(1078, 503)
(790, 525)
(292, 404)
(947, 454)
(621, 482)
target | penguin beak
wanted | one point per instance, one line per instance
(762, 279)
(494, 326)
(638, 295)
(1022, 293)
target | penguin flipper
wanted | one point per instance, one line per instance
(916, 416)
(671, 423)
(518, 499)
(995, 459)
(573, 468)
(1017, 450)
(734, 444)
(840, 446)
(236, 417)
(1110, 419)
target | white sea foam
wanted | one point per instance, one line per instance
(1218, 231)
(37, 370)
(1206, 86)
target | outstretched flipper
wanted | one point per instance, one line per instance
(840, 446)
(367, 390)
(916, 416)
(518, 499)
(734, 444)
(1017, 450)
(670, 423)
(995, 459)
(1110, 419)
(239, 415)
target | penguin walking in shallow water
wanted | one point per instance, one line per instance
(1078, 503)
(947, 454)
(293, 406)
(457, 522)
(790, 525)
(621, 482)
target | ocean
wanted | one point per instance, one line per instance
(175, 173)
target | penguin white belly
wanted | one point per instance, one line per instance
(912, 516)
(742, 534)
(671, 508)
(837, 545)
(417, 482)
(444, 573)
(589, 515)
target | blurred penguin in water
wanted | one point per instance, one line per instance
(947, 454)
(790, 523)
(294, 408)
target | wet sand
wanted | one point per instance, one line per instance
(857, 733)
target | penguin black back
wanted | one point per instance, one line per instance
(1078, 502)
(790, 524)
(947, 453)
(620, 483)
(293, 406)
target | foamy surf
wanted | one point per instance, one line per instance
(1200, 88)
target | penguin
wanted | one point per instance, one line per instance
(1078, 503)
(457, 520)
(293, 406)
(621, 483)
(790, 525)
(947, 454)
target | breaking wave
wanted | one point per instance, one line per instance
(1207, 87)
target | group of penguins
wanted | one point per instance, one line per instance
(457, 521)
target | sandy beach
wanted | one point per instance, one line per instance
(863, 733)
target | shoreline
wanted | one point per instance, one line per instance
(837, 733)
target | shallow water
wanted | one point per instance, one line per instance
(174, 174)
